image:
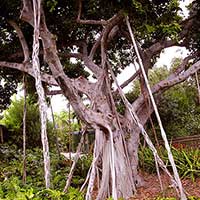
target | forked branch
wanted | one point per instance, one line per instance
(81, 21)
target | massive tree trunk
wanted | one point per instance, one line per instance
(111, 167)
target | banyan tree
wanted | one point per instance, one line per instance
(60, 42)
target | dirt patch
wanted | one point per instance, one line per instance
(152, 188)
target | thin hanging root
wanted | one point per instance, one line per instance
(74, 162)
(163, 134)
(40, 91)
(198, 86)
(94, 162)
(158, 173)
(86, 180)
(92, 176)
(54, 127)
(24, 132)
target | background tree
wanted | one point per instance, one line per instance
(13, 120)
(179, 108)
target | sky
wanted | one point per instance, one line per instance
(59, 102)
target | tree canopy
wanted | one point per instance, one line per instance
(157, 25)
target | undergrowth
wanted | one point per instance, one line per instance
(187, 161)
(12, 188)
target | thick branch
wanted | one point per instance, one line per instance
(27, 12)
(72, 55)
(22, 40)
(27, 67)
(88, 61)
(81, 84)
(115, 20)
(94, 47)
(169, 82)
(158, 46)
(53, 92)
(81, 21)
(111, 35)
(182, 66)
(125, 83)
(178, 79)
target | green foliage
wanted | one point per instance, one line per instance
(186, 160)
(13, 120)
(146, 160)
(51, 4)
(178, 106)
(11, 186)
(157, 74)
(73, 194)
(179, 110)
(66, 123)
(13, 189)
(81, 170)
(8, 86)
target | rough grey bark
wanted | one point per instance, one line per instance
(40, 92)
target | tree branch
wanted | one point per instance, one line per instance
(27, 67)
(22, 40)
(94, 22)
(94, 47)
(168, 82)
(125, 83)
(27, 12)
(182, 66)
(178, 79)
(159, 46)
(72, 55)
(89, 62)
(53, 92)
(111, 35)
(115, 20)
